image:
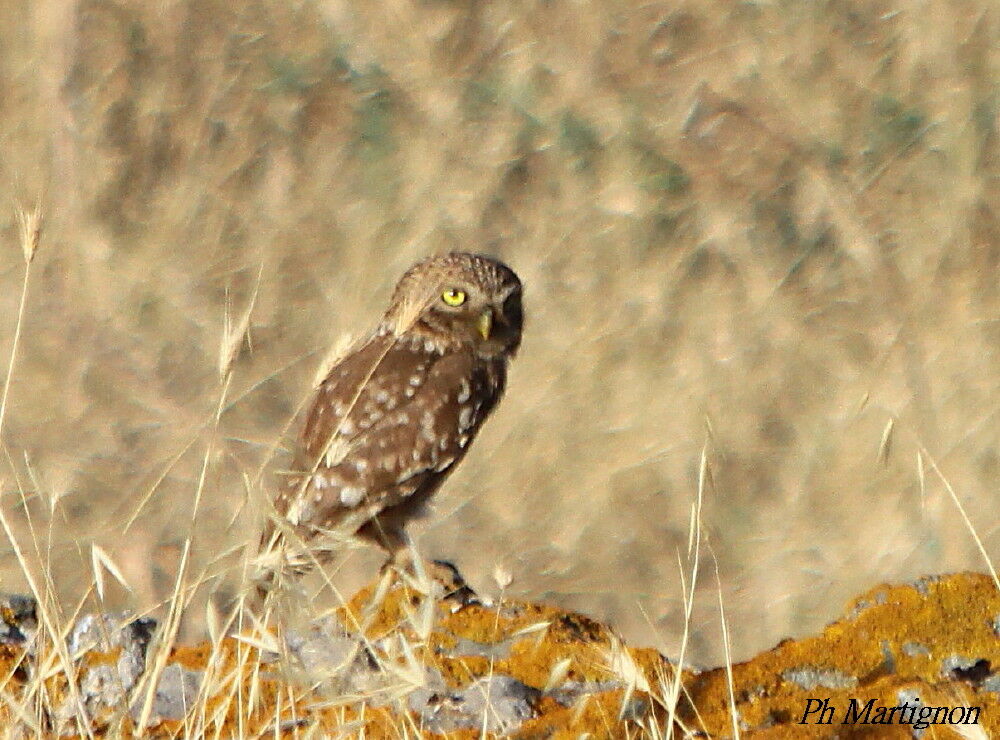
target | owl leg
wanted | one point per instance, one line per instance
(390, 537)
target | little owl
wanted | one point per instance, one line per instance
(395, 415)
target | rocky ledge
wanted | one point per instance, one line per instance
(432, 659)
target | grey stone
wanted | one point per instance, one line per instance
(325, 652)
(176, 693)
(913, 649)
(991, 684)
(921, 584)
(569, 692)
(912, 698)
(18, 620)
(106, 632)
(323, 649)
(888, 659)
(104, 687)
(500, 703)
(493, 651)
(811, 677)
(859, 608)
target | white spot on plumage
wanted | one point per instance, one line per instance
(427, 420)
(300, 510)
(464, 391)
(347, 427)
(464, 418)
(463, 440)
(409, 392)
(351, 495)
(416, 380)
(382, 396)
(361, 465)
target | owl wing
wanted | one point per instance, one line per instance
(389, 420)
(348, 395)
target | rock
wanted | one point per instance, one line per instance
(326, 653)
(912, 649)
(119, 633)
(110, 650)
(939, 636)
(176, 693)
(810, 678)
(497, 704)
(447, 663)
(18, 621)
(324, 649)
(570, 692)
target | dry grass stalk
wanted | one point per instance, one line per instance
(30, 232)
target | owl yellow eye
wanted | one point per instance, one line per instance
(453, 297)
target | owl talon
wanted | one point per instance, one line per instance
(451, 581)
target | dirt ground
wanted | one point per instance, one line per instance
(762, 234)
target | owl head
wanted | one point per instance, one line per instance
(459, 300)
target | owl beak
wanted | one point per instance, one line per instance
(485, 323)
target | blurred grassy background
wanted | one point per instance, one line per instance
(765, 230)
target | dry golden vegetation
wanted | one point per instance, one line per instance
(765, 232)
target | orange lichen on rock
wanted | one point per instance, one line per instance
(521, 639)
(936, 640)
(407, 661)
(540, 647)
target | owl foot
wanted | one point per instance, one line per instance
(451, 581)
